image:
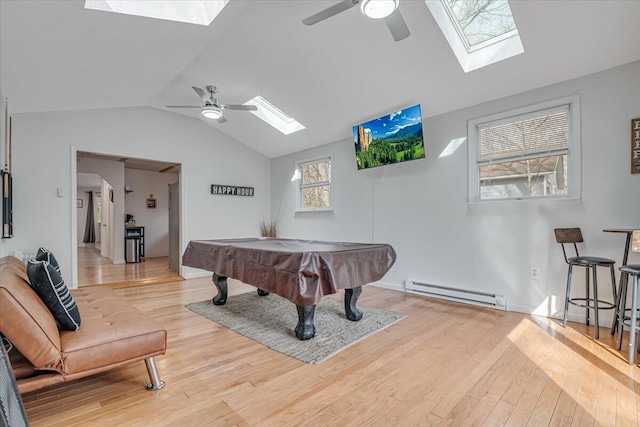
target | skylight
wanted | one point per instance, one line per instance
(480, 32)
(201, 12)
(274, 116)
(481, 21)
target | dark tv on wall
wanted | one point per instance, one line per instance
(394, 138)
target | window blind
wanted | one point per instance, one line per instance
(543, 132)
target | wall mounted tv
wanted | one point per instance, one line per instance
(394, 138)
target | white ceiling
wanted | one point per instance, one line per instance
(88, 180)
(55, 55)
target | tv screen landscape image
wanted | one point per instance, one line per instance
(394, 138)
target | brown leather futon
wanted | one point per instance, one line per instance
(113, 333)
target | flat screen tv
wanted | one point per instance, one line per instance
(394, 138)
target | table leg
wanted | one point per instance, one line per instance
(350, 299)
(221, 284)
(262, 293)
(634, 318)
(305, 329)
(625, 258)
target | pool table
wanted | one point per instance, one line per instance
(302, 271)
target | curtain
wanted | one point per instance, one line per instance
(90, 227)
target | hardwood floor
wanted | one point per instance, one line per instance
(444, 364)
(94, 269)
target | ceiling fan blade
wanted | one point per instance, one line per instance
(183, 106)
(330, 11)
(202, 94)
(397, 26)
(222, 120)
(240, 107)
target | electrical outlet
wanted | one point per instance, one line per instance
(534, 273)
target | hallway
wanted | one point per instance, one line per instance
(94, 269)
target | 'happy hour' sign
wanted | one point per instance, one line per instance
(231, 190)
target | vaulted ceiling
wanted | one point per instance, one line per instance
(56, 55)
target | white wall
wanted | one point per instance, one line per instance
(82, 212)
(155, 221)
(44, 160)
(420, 207)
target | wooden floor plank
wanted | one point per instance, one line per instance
(626, 393)
(94, 269)
(444, 364)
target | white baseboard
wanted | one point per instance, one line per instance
(606, 317)
(387, 285)
(119, 261)
(392, 286)
(197, 274)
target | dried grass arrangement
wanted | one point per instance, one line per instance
(268, 229)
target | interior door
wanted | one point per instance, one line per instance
(112, 223)
(174, 227)
(106, 220)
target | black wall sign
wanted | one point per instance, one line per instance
(231, 190)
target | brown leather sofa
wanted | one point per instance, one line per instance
(113, 333)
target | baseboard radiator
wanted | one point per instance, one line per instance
(465, 296)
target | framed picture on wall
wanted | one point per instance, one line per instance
(151, 203)
(5, 171)
(7, 205)
(635, 145)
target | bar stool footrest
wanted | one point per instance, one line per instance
(602, 305)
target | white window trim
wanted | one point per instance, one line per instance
(299, 186)
(574, 142)
(481, 55)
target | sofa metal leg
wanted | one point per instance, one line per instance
(152, 369)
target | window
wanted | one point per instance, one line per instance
(314, 179)
(274, 116)
(480, 32)
(529, 153)
(481, 20)
(193, 11)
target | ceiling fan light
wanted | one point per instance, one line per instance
(378, 9)
(211, 112)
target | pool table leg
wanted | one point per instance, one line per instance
(221, 284)
(305, 329)
(350, 299)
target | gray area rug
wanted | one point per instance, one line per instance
(271, 320)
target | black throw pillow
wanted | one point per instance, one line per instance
(46, 255)
(47, 282)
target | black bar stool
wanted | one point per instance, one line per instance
(574, 236)
(630, 320)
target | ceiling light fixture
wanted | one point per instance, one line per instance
(378, 9)
(211, 112)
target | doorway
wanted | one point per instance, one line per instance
(133, 194)
(89, 210)
(174, 227)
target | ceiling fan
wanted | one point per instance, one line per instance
(211, 109)
(376, 9)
